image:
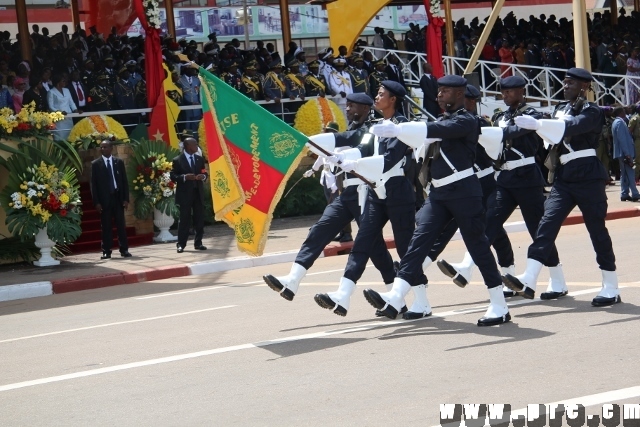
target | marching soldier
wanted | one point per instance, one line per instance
(251, 84)
(455, 194)
(314, 82)
(392, 200)
(579, 179)
(101, 95)
(343, 209)
(519, 184)
(359, 76)
(378, 76)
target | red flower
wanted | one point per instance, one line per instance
(139, 168)
(63, 212)
(203, 171)
(147, 170)
(171, 184)
(152, 159)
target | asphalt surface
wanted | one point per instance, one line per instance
(223, 349)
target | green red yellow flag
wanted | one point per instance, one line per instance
(162, 126)
(252, 154)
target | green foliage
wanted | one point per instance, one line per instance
(306, 198)
(144, 204)
(62, 227)
(15, 249)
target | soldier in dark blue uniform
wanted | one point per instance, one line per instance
(455, 194)
(519, 183)
(579, 179)
(393, 200)
(484, 170)
(342, 210)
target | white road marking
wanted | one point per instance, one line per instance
(213, 288)
(114, 324)
(168, 359)
(590, 400)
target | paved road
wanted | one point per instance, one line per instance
(226, 350)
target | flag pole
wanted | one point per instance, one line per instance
(329, 154)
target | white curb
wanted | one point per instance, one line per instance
(206, 267)
(25, 290)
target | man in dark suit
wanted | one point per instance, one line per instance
(189, 174)
(78, 93)
(429, 86)
(110, 194)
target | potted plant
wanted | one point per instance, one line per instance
(42, 196)
(151, 185)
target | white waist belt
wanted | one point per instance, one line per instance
(396, 170)
(566, 158)
(452, 178)
(351, 181)
(513, 164)
(485, 172)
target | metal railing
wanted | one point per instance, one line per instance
(544, 84)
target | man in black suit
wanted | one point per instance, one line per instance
(110, 194)
(78, 93)
(189, 174)
(429, 86)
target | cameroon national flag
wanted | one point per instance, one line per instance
(252, 154)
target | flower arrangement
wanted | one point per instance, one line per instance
(91, 131)
(45, 196)
(434, 7)
(152, 12)
(316, 113)
(149, 172)
(27, 122)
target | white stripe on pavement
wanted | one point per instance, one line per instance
(179, 357)
(115, 324)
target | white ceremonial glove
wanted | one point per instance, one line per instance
(386, 129)
(348, 165)
(329, 180)
(335, 159)
(527, 122)
(308, 173)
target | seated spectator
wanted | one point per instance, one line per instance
(37, 94)
(6, 100)
(19, 88)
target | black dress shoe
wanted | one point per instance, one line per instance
(513, 283)
(492, 321)
(106, 255)
(377, 302)
(200, 248)
(625, 199)
(604, 301)
(635, 199)
(324, 301)
(412, 315)
(337, 238)
(180, 249)
(448, 270)
(125, 254)
(403, 310)
(275, 284)
(508, 293)
(553, 295)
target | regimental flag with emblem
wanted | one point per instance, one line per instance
(252, 154)
(162, 126)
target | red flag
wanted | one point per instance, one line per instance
(154, 73)
(434, 41)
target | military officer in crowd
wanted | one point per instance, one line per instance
(230, 75)
(393, 200)
(378, 75)
(125, 96)
(359, 76)
(102, 95)
(340, 84)
(190, 85)
(294, 81)
(484, 169)
(134, 74)
(110, 72)
(88, 75)
(314, 82)
(274, 88)
(579, 179)
(455, 194)
(519, 184)
(342, 210)
(251, 83)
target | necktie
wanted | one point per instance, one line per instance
(193, 165)
(112, 185)
(79, 91)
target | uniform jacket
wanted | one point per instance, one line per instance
(622, 141)
(190, 90)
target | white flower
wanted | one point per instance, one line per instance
(167, 192)
(32, 193)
